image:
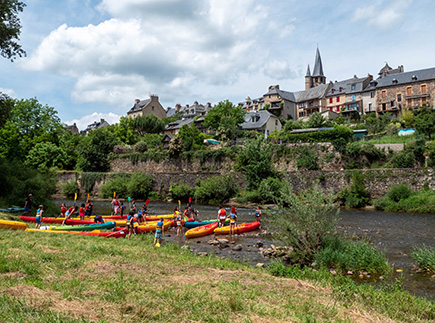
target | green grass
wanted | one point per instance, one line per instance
(68, 278)
(394, 139)
(424, 258)
(418, 202)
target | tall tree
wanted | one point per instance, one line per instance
(225, 118)
(6, 105)
(10, 29)
(148, 124)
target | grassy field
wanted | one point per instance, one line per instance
(65, 278)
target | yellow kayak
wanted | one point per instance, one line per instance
(14, 225)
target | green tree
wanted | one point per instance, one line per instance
(46, 155)
(316, 120)
(125, 131)
(424, 121)
(148, 124)
(191, 137)
(255, 161)
(30, 123)
(10, 29)
(139, 185)
(225, 118)
(94, 150)
(6, 105)
(70, 143)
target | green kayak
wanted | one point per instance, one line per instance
(13, 209)
(85, 227)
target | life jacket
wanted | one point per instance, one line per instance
(159, 226)
(116, 203)
(133, 219)
(71, 209)
(82, 210)
(63, 209)
(88, 206)
(222, 213)
(257, 213)
(37, 212)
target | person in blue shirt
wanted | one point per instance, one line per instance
(39, 212)
(98, 219)
(159, 231)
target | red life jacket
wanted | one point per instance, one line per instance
(63, 209)
(71, 209)
(116, 203)
(222, 212)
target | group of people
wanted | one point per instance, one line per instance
(84, 210)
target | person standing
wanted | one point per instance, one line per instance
(115, 203)
(63, 210)
(233, 218)
(159, 231)
(28, 204)
(258, 215)
(82, 211)
(222, 216)
(69, 213)
(88, 208)
(39, 212)
(122, 208)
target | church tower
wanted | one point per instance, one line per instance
(317, 77)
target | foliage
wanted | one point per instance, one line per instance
(424, 121)
(255, 162)
(69, 143)
(118, 149)
(153, 140)
(140, 147)
(316, 120)
(175, 147)
(148, 124)
(6, 105)
(393, 128)
(125, 131)
(191, 137)
(417, 202)
(346, 255)
(88, 180)
(118, 183)
(181, 191)
(424, 258)
(70, 188)
(403, 159)
(10, 27)
(417, 148)
(216, 189)
(305, 221)
(356, 196)
(269, 190)
(46, 155)
(94, 150)
(30, 123)
(377, 124)
(225, 118)
(139, 185)
(399, 192)
(342, 133)
(405, 116)
(307, 159)
(291, 125)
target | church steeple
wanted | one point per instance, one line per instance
(308, 71)
(318, 67)
(308, 79)
(317, 77)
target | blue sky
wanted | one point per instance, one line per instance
(91, 59)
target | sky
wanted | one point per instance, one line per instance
(90, 59)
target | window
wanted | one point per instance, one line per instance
(423, 101)
(340, 88)
(330, 100)
(276, 122)
(372, 94)
(338, 99)
(384, 93)
(409, 90)
(409, 102)
(353, 97)
(332, 91)
(338, 108)
(370, 107)
(423, 89)
(330, 109)
(384, 106)
(352, 87)
(399, 97)
(152, 108)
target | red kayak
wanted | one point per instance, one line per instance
(55, 220)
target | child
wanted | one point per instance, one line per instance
(159, 232)
(115, 203)
(258, 215)
(82, 212)
(133, 206)
(88, 207)
(222, 216)
(233, 218)
(69, 213)
(122, 208)
(39, 212)
(134, 224)
(98, 219)
(63, 209)
(178, 221)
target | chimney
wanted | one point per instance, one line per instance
(136, 101)
(154, 97)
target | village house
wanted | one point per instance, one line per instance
(251, 105)
(193, 111)
(261, 121)
(73, 128)
(147, 107)
(96, 125)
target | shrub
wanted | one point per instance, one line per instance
(403, 159)
(119, 149)
(424, 258)
(181, 191)
(140, 147)
(399, 192)
(270, 190)
(347, 255)
(139, 185)
(253, 196)
(216, 189)
(88, 180)
(307, 159)
(117, 184)
(357, 195)
(70, 188)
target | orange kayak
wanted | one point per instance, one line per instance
(240, 228)
(201, 231)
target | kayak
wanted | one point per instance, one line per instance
(195, 224)
(55, 220)
(158, 217)
(118, 234)
(150, 227)
(86, 227)
(13, 209)
(14, 225)
(201, 231)
(239, 228)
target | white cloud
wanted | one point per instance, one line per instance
(166, 47)
(9, 92)
(383, 16)
(84, 121)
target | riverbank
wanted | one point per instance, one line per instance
(70, 278)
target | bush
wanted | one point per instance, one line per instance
(88, 180)
(253, 196)
(216, 189)
(347, 255)
(338, 133)
(307, 159)
(270, 190)
(139, 185)
(140, 147)
(181, 191)
(356, 196)
(117, 184)
(399, 192)
(119, 149)
(70, 188)
(403, 159)
(424, 258)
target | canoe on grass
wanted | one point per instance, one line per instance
(118, 234)
(201, 231)
(239, 228)
(86, 227)
(14, 225)
(13, 209)
(55, 220)
(150, 227)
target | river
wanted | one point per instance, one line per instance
(394, 233)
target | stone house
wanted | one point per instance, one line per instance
(194, 110)
(147, 107)
(261, 121)
(251, 105)
(74, 130)
(280, 103)
(96, 125)
(174, 127)
(311, 100)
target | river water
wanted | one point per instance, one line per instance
(394, 233)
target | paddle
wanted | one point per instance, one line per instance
(190, 200)
(147, 202)
(114, 195)
(129, 205)
(179, 204)
(75, 198)
(87, 200)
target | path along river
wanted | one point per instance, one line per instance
(394, 233)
